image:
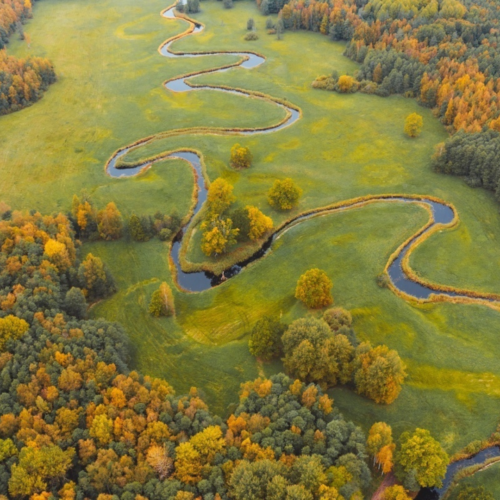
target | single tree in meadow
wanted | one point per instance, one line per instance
(250, 24)
(284, 194)
(413, 125)
(379, 372)
(241, 157)
(162, 302)
(421, 458)
(260, 224)
(265, 339)
(110, 222)
(228, 4)
(314, 289)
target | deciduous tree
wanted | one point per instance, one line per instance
(284, 195)
(413, 125)
(314, 289)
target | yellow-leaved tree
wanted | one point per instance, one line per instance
(413, 125)
(11, 327)
(314, 289)
(260, 224)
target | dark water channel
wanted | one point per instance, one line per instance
(480, 458)
(200, 281)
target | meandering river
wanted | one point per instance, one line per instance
(441, 213)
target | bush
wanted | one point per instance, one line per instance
(251, 37)
(228, 4)
(250, 24)
(337, 317)
(164, 234)
(314, 289)
(162, 302)
(284, 195)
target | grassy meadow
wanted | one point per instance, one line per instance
(109, 94)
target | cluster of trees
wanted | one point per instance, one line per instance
(472, 156)
(75, 422)
(93, 224)
(145, 227)
(22, 81)
(40, 269)
(326, 352)
(444, 53)
(223, 229)
(12, 14)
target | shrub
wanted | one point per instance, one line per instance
(347, 84)
(337, 317)
(228, 4)
(250, 37)
(241, 157)
(314, 289)
(250, 24)
(284, 195)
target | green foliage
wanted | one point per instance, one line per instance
(75, 303)
(265, 339)
(314, 289)
(136, 230)
(284, 195)
(162, 302)
(472, 493)
(241, 221)
(314, 354)
(250, 24)
(421, 453)
(95, 278)
(337, 317)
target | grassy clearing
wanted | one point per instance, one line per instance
(109, 95)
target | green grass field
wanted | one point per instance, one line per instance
(109, 94)
(488, 478)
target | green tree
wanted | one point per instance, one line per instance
(135, 228)
(413, 125)
(284, 195)
(95, 277)
(314, 354)
(265, 339)
(379, 373)
(474, 493)
(337, 317)
(422, 455)
(75, 303)
(250, 24)
(220, 196)
(314, 289)
(162, 302)
(241, 221)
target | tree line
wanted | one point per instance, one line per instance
(444, 53)
(22, 81)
